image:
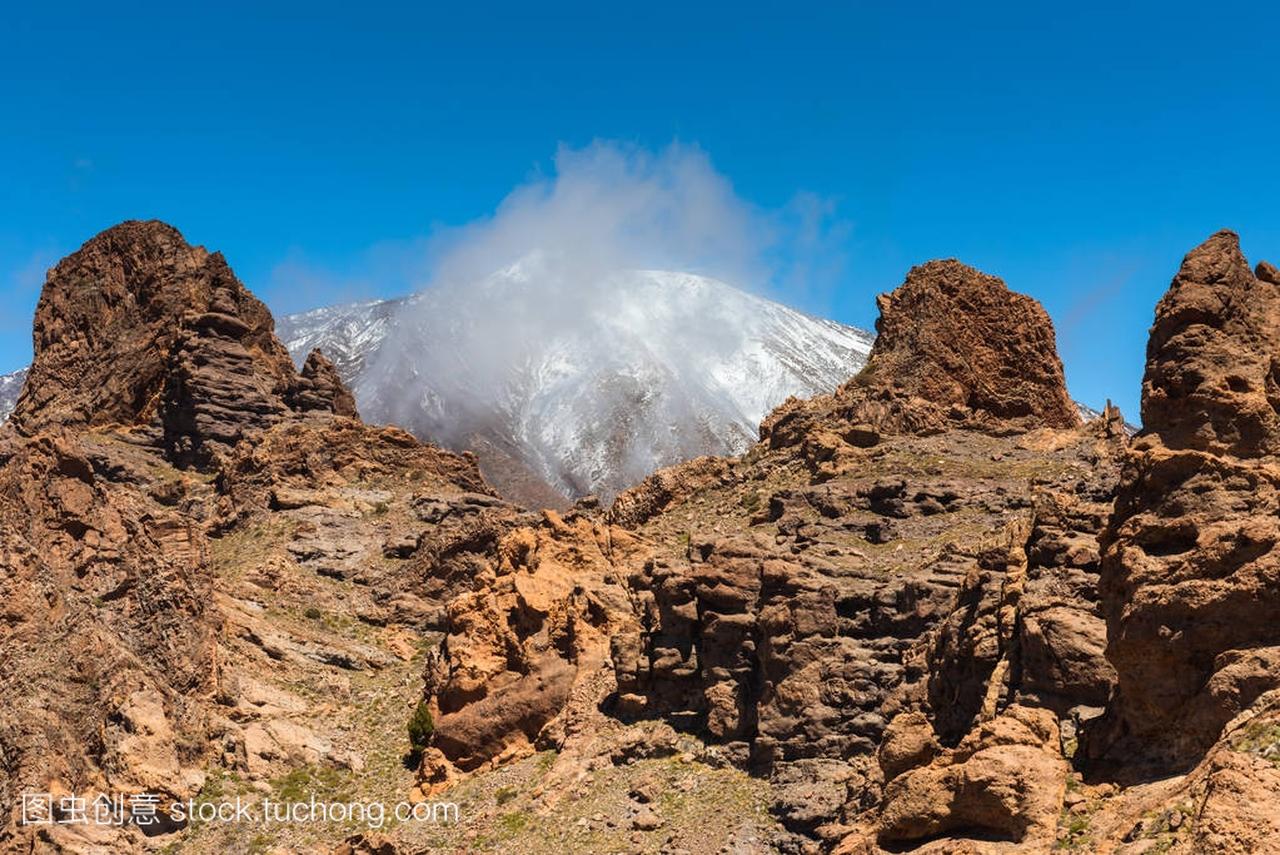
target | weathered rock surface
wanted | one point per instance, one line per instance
(536, 625)
(1191, 576)
(107, 629)
(1212, 380)
(651, 496)
(953, 336)
(320, 388)
(1004, 781)
(860, 563)
(954, 348)
(158, 626)
(140, 329)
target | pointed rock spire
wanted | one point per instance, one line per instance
(1212, 381)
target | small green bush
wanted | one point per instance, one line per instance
(421, 727)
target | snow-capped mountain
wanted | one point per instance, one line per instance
(564, 393)
(10, 388)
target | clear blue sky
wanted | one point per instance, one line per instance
(1077, 150)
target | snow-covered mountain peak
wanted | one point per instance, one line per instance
(585, 387)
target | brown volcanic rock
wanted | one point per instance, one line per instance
(1213, 378)
(951, 335)
(954, 348)
(296, 463)
(113, 316)
(140, 329)
(535, 626)
(795, 641)
(671, 484)
(1191, 574)
(1004, 781)
(320, 388)
(1191, 589)
(107, 629)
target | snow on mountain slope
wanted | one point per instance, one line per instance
(586, 394)
(10, 388)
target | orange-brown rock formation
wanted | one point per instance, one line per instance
(1191, 573)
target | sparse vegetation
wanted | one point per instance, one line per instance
(1260, 738)
(513, 823)
(421, 728)
(324, 782)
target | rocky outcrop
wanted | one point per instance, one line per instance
(1212, 379)
(107, 629)
(641, 503)
(115, 316)
(954, 348)
(951, 336)
(320, 388)
(1003, 782)
(519, 645)
(167, 473)
(1191, 575)
(140, 329)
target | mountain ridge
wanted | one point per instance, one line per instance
(545, 453)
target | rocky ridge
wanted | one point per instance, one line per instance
(878, 555)
(929, 612)
(936, 612)
(173, 491)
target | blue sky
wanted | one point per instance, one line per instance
(1076, 150)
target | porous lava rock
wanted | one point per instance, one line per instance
(140, 329)
(954, 348)
(1191, 573)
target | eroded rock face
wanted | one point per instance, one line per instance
(167, 474)
(870, 559)
(1191, 579)
(953, 336)
(1004, 781)
(320, 388)
(534, 628)
(666, 486)
(140, 329)
(1212, 381)
(954, 348)
(107, 629)
(115, 316)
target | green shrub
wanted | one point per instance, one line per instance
(421, 727)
